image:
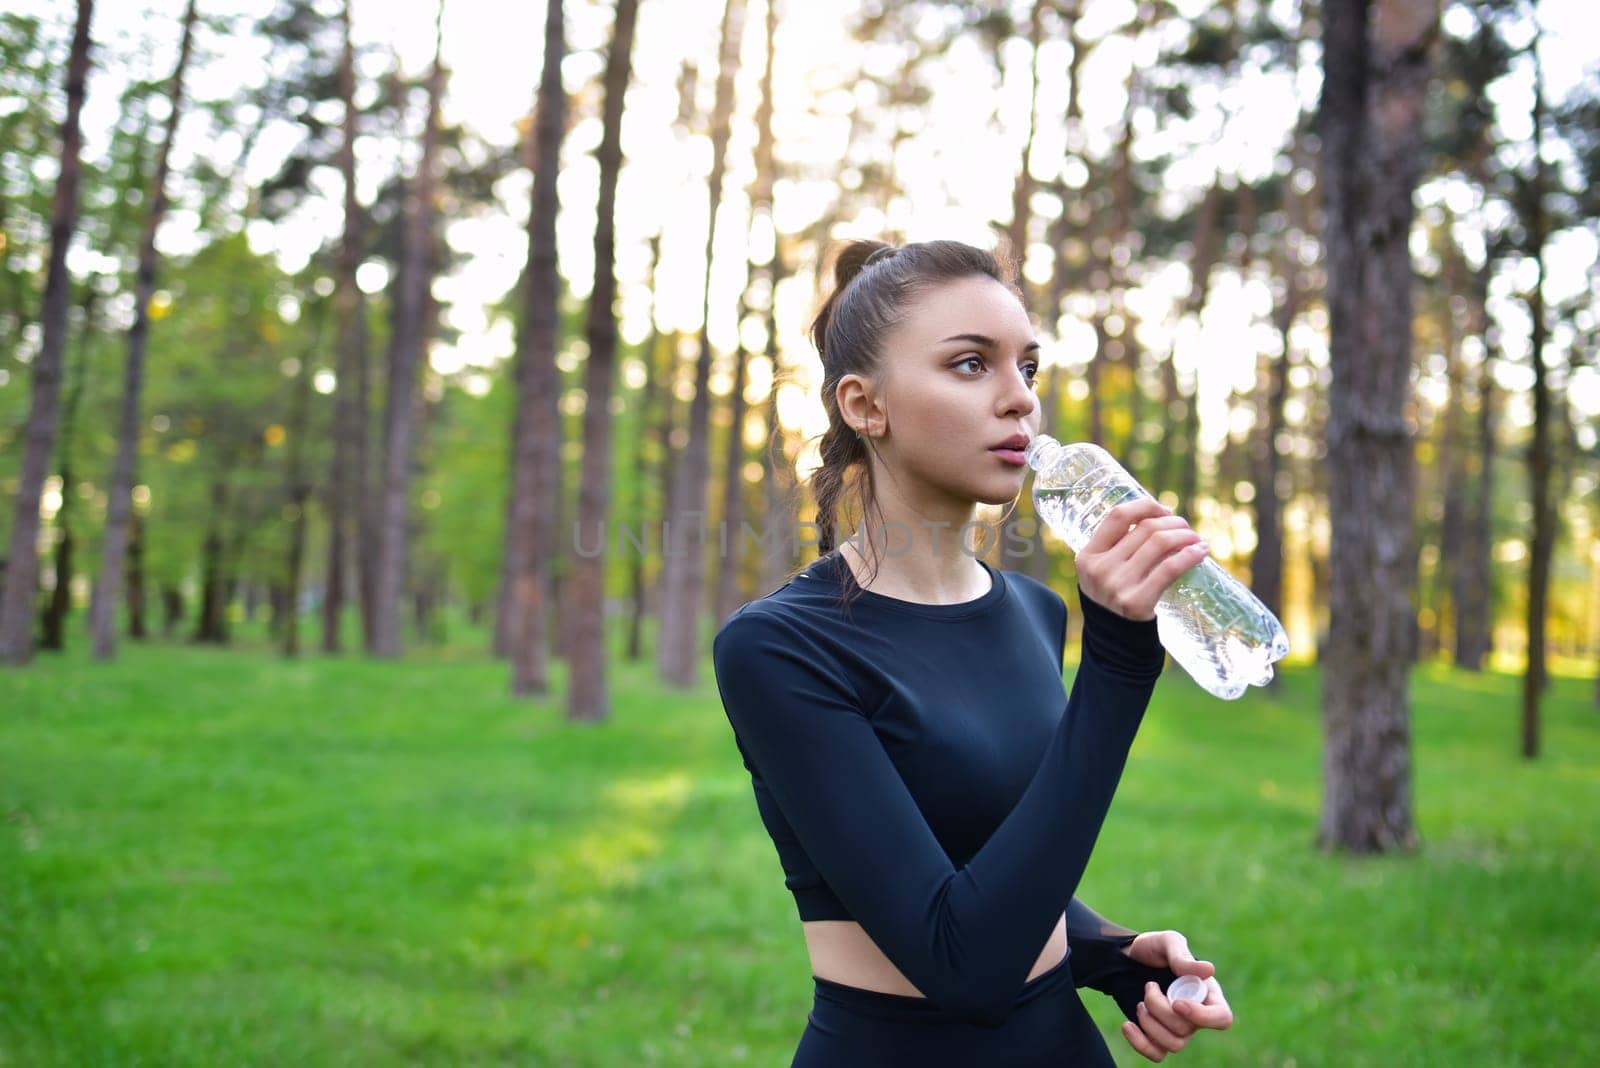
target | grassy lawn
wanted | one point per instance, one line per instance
(218, 857)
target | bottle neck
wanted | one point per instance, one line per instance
(1042, 452)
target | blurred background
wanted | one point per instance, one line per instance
(394, 399)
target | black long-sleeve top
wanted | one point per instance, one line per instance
(922, 771)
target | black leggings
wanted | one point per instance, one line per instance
(849, 1027)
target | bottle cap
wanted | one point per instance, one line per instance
(1187, 988)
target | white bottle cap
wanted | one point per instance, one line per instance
(1187, 988)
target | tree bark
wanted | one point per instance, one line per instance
(1451, 465)
(683, 578)
(1012, 529)
(1542, 544)
(113, 547)
(515, 537)
(1474, 575)
(1375, 80)
(1207, 250)
(587, 696)
(729, 594)
(22, 569)
(1063, 233)
(1266, 560)
(646, 473)
(407, 355)
(299, 495)
(536, 466)
(53, 621)
(1268, 469)
(1540, 448)
(136, 624)
(346, 484)
(780, 529)
(211, 626)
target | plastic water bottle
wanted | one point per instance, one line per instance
(1208, 620)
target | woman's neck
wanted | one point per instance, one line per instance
(925, 561)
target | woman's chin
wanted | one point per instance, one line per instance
(1003, 494)
(997, 499)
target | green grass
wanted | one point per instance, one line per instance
(219, 857)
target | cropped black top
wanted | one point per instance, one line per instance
(922, 771)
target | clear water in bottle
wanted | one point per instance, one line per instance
(1209, 621)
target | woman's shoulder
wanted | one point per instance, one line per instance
(770, 651)
(803, 613)
(801, 621)
(1035, 592)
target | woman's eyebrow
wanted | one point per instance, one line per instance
(981, 339)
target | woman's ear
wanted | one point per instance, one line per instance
(857, 405)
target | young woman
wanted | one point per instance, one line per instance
(932, 791)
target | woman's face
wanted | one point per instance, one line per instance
(957, 380)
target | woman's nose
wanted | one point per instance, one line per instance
(1018, 397)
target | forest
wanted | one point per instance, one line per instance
(357, 344)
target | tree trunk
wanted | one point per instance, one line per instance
(536, 467)
(407, 355)
(1451, 465)
(1037, 563)
(346, 484)
(1096, 380)
(233, 555)
(587, 696)
(171, 610)
(780, 540)
(729, 594)
(22, 571)
(1375, 80)
(1207, 250)
(212, 626)
(1015, 544)
(653, 395)
(369, 493)
(1474, 577)
(136, 624)
(1063, 278)
(685, 555)
(516, 536)
(299, 496)
(113, 547)
(1542, 547)
(52, 624)
(780, 529)
(1266, 561)
(276, 596)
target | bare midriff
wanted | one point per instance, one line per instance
(842, 951)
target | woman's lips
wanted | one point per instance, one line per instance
(1011, 456)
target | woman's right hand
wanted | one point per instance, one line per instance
(1138, 550)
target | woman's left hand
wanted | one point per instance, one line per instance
(1164, 1026)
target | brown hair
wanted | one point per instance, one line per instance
(873, 282)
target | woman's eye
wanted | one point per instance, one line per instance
(971, 359)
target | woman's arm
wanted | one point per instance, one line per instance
(966, 937)
(1100, 961)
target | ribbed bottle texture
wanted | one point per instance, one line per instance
(1208, 620)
